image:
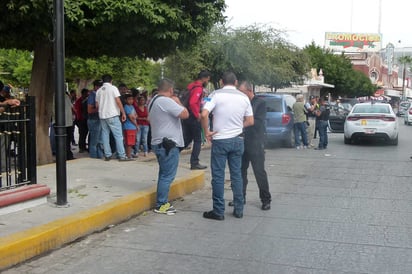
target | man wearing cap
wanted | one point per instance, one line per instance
(311, 108)
(5, 93)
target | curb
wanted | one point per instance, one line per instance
(24, 193)
(21, 246)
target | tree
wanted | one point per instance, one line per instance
(146, 28)
(405, 61)
(15, 67)
(133, 71)
(338, 71)
(255, 53)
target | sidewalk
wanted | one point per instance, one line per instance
(100, 194)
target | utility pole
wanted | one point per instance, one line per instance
(59, 85)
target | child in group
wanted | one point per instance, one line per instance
(130, 125)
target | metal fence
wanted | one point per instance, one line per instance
(18, 145)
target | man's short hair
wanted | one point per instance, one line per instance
(84, 91)
(107, 78)
(165, 84)
(203, 74)
(229, 78)
(97, 83)
(127, 95)
(247, 85)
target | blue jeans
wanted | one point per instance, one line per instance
(141, 135)
(323, 134)
(95, 142)
(167, 172)
(115, 126)
(300, 130)
(230, 150)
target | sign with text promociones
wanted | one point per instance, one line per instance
(353, 42)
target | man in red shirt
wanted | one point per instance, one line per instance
(192, 130)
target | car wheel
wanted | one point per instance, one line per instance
(347, 141)
(394, 141)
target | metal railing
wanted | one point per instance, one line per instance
(18, 145)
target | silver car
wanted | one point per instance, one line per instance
(371, 121)
(407, 116)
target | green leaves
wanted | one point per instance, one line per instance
(338, 71)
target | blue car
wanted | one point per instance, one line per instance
(279, 119)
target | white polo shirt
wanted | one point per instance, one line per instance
(229, 107)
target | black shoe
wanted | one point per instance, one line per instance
(198, 166)
(265, 206)
(237, 214)
(233, 204)
(212, 215)
(107, 158)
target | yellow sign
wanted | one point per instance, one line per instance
(353, 42)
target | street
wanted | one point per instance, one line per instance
(344, 209)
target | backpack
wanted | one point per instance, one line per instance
(185, 96)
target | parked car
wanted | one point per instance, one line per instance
(407, 116)
(371, 121)
(338, 113)
(279, 118)
(403, 107)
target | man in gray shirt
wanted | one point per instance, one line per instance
(165, 112)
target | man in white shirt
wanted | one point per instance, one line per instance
(232, 112)
(110, 107)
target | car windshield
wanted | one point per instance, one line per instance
(273, 104)
(372, 109)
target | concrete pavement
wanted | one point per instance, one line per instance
(100, 194)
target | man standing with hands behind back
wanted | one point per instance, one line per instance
(232, 112)
(254, 147)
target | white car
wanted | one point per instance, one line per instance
(407, 116)
(371, 121)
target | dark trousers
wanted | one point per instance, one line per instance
(192, 131)
(83, 131)
(257, 158)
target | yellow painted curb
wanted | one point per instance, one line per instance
(21, 246)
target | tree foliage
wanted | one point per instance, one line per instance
(133, 71)
(15, 67)
(255, 53)
(338, 70)
(94, 28)
(148, 28)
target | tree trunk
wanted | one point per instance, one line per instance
(41, 86)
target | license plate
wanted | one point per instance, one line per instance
(370, 130)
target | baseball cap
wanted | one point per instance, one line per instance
(311, 97)
(6, 88)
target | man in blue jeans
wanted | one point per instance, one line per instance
(110, 107)
(93, 123)
(232, 112)
(323, 115)
(165, 112)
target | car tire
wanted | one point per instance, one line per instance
(394, 142)
(347, 141)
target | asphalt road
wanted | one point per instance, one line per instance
(346, 209)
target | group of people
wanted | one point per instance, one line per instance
(309, 118)
(232, 119)
(112, 120)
